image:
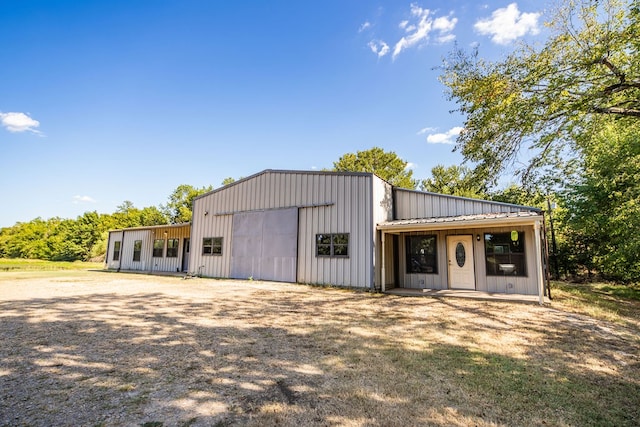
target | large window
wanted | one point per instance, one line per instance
(332, 245)
(116, 250)
(212, 246)
(137, 250)
(158, 248)
(505, 254)
(172, 248)
(422, 254)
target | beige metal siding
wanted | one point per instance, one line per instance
(382, 211)
(126, 255)
(327, 202)
(147, 236)
(164, 263)
(413, 204)
(114, 236)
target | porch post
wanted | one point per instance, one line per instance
(536, 228)
(382, 264)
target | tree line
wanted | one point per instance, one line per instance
(85, 238)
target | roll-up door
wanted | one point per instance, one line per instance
(264, 245)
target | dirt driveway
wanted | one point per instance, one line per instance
(108, 349)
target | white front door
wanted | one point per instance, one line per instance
(460, 260)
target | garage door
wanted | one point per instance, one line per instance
(264, 245)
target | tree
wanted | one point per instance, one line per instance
(454, 180)
(228, 180)
(549, 100)
(387, 165)
(604, 208)
(180, 205)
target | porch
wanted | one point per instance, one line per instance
(461, 293)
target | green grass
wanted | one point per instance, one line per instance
(605, 301)
(18, 264)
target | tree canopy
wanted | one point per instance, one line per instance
(387, 165)
(180, 205)
(539, 106)
(454, 180)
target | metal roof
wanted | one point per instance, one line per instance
(462, 221)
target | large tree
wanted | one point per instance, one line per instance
(454, 180)
(180, 205)
(604, 207)
(537, 107)
(387, 165)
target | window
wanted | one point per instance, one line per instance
(116, 250)
(332, 245)
(158, 248)
(422, 254)
(172, 248)
(137, 250)
(212, 246)
(505, 254)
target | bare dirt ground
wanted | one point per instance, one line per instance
(107, 349)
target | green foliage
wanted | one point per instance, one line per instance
(454, 180)
(179, 208)
(386, 165)
(604, 208)
(541, 103)
(228, 180)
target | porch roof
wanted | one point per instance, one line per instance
(462, 221)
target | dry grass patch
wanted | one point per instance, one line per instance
(117, 349)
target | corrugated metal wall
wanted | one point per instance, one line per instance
(413, 204)
(114, 236)
(327, 202)
(147, 261)
(126, 251)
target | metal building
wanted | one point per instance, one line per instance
(356, 230)
(160, 248)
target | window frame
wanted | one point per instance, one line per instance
(117, 245)
(491, 263)
(137, 250)
(172, 251)
(335, 249)
(156, 248)
(214, 246)
(409, 256)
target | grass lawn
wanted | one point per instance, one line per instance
(94, 348)
(17, 264)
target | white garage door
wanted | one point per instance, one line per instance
(264, 245)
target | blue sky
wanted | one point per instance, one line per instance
(107, 101)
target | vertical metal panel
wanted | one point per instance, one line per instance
(414, 204)
(126, 254)
(114, 236)
(265, 245)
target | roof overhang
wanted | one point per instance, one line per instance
(463, 221)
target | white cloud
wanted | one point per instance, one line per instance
(379, 47)
(425, 130)
(83, 199)
(507, 24)
(19, 122)
(422, 25)
(410, 166)
(364, 26)
(447, 137)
